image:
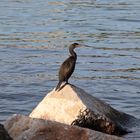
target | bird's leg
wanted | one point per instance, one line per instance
(62, 86)
(66, 82)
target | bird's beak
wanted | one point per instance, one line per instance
(83, 45)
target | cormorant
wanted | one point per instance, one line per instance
(68, 66)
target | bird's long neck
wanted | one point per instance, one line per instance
(72, 52)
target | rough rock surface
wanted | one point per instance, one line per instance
(4, 134)
(72, 105)
(26, 128)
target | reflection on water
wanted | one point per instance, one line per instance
(33, 44)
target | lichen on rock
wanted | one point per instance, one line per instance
(88, 119)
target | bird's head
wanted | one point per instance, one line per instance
(75, 45)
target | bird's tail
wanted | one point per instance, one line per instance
(58, 85)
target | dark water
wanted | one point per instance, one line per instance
(33, 43)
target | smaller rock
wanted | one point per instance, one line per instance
(4, 134)
(26, 128)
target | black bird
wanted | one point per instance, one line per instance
(68, 66)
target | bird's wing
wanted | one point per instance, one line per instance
(67, 68)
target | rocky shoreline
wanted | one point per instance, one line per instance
(70, 114)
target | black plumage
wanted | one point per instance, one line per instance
(68, 66)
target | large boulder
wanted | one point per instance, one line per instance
(26, 128)
(72, 105)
